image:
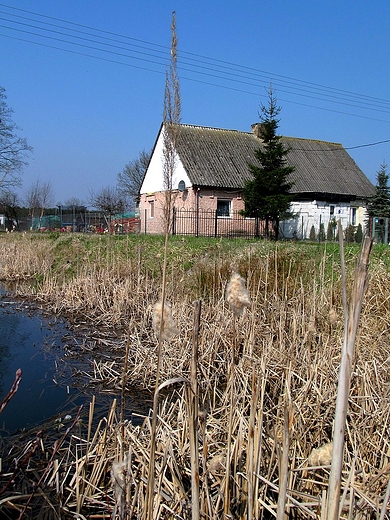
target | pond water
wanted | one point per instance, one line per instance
(29, 342)
(35, 344)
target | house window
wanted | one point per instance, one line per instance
(151, 208)
(224, 207)
(353, 216)
(331, 211)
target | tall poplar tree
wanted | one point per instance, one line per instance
(267, 196)
(171, 114)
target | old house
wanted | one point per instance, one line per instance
(211, 170)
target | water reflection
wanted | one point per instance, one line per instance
(29, 342)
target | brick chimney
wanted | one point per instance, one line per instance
(257, 129)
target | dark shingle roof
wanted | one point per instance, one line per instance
(218, 158)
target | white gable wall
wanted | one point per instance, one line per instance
(153, 181)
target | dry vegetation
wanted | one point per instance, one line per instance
(266, 380)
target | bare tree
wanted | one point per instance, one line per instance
(130, 179)
(38, 197)
(9, 204)
(109, 201)
(9, 199)
(13, 149)
(74, 202)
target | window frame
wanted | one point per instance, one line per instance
(151, 208)
(228, 202)
(354, 211)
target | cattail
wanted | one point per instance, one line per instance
(217, 465)
(237, 295)
(312, 324)
(118, 482)
(321, 456)
(332, 316)
(167, 328)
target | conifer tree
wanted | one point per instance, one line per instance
(379, 204)
(267, 196)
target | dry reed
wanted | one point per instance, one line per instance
(293, 333)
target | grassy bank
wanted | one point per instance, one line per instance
(286, 350)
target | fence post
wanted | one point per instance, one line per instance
(173, 221)
(319, 231)
(216, 224)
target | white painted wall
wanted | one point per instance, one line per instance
(153, 181)
(317, 212)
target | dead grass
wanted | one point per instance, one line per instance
(289, 349)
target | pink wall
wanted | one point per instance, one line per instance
(206, 199)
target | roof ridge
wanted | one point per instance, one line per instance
(205, 127)
(312, 140)
(214, 128)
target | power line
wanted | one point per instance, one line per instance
(82, 54)
(227, 67)
(157, 61)
(184, 77)
(340, 147)
(296, 85)
(156, 54)
(369, 144)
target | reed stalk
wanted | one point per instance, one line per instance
(290, 322)
(344, 384)
(284, 456)
(193, 410)
(251, 445)
(226, 497)
(50, 464)
(123, 393)
(12, 391)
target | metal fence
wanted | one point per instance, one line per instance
(380, 229)
(201, 223)
(208, 223)
(71, 220)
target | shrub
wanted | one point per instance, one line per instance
(330, 233)
(321, 234)
(350, 234)
(312, 235)
(359, 234)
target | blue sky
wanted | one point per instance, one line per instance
(86, 78)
